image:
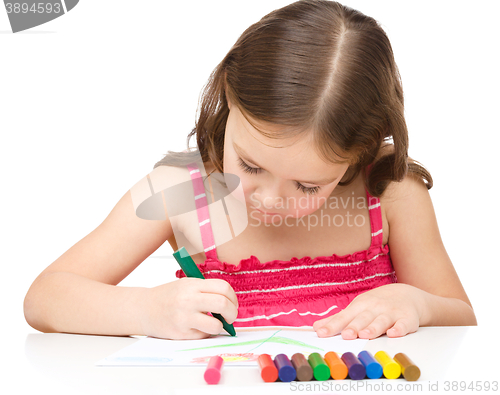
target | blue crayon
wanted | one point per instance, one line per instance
(373, 368)
(356, 369)
(286, 371)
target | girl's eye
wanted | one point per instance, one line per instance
(248, 169)
(309, 191)
(256, 170)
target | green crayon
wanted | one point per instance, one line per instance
(321, 370)
(191, 270)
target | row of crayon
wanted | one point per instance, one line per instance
(365, 365)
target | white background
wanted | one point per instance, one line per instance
(90, 101)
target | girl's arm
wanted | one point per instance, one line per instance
(77, 293)
(428, 292)
(420, 258)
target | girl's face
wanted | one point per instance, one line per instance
(277, 182)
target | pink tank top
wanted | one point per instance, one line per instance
(300, 291)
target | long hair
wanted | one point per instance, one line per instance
(319, 67)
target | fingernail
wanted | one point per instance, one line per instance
(322, 332)
(349, 332)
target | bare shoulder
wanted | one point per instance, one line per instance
(411, 187)
(402, 200)
(402, 197)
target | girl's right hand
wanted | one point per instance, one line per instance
(178, 310)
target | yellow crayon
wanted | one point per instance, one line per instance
(391, 369)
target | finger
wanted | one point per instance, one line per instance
(360, 321)
(334, 324)
(402, 327)
(207, 324)
(376, 328)
(322, 322)
(222, 287)
(192, 334)
(215, 303)
(185, 334)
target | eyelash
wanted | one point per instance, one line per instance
(256, 170)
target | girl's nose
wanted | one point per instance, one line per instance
(272, 197)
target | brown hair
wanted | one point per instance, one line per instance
(313, 65)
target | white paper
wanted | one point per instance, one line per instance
(241, 350)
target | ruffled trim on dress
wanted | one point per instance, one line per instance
(253, 263)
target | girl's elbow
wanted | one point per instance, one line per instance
(473, 319)
(33, 313)
(468, 315)
(30, 312)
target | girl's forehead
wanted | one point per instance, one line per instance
(291, 141)
(243, 127)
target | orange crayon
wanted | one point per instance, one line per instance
(338, 368)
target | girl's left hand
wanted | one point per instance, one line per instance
(395, 309)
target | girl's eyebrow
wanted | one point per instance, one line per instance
(243, 154)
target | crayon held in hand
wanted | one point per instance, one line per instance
(191, 270)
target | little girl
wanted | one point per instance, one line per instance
(307, 110)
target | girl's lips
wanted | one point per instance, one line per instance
(263, 212)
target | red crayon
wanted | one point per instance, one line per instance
(212, 373)
(268, 370)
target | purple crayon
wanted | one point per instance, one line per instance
(286, 371)
(356, 369)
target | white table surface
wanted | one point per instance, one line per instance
(64, 363)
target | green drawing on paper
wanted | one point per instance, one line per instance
(259, 342)
(241, 351)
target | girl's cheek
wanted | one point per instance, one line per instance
(301, 212)
(308, 206)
